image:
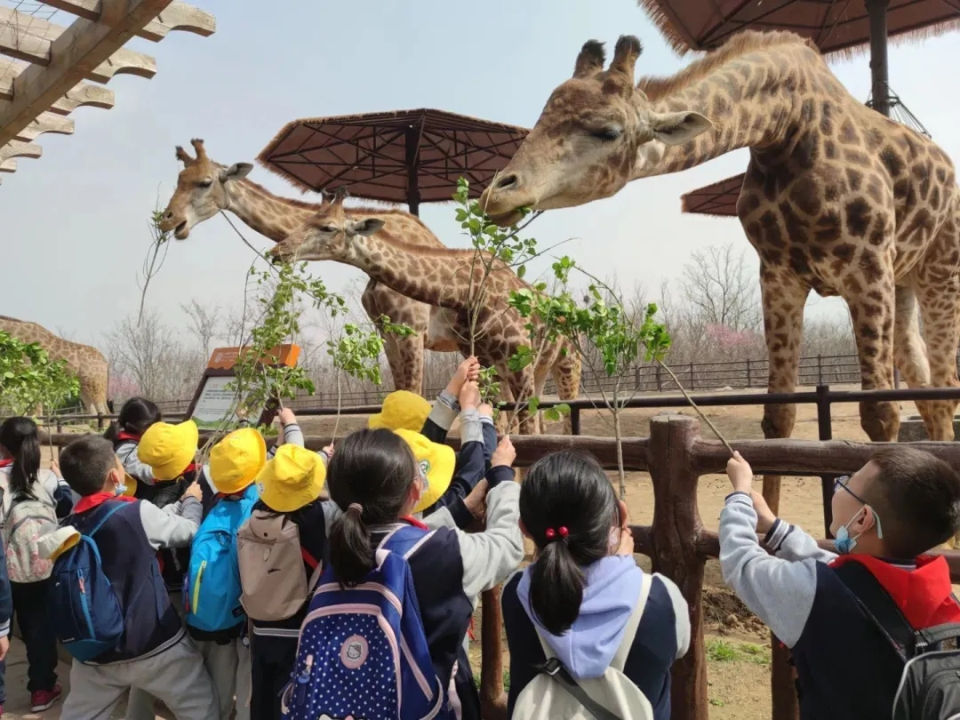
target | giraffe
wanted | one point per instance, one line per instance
(88, 363)
(205, 187)
(837, 198)
(373, 241)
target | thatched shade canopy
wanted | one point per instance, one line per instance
(408, 157)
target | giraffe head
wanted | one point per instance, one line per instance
(201, 190)
(588, 137)
(329, 234)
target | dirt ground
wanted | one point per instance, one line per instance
(737, 642)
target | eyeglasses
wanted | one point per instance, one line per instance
(842, 482)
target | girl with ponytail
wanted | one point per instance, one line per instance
(376, 483)
(584, 585)
(22, 480)
(136, 415)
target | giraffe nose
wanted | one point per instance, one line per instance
(507, 181)
(168, 215)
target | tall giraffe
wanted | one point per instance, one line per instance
(205, 187)
(86, 362)
(837, 198)
(370, 240)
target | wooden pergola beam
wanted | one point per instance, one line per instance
(8, 166)
(47, 122)
(178, 16)
(73, 56)
(30, 38)
(16, 148)
(83, 94)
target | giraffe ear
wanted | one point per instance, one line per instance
(366, 227)
(676, 128)
(235, 172)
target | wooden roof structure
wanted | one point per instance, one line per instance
(50, 69)
(404, 156)
(834, 25)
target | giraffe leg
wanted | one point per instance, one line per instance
(404, 354)
(566, 375)
(940, 304)
(910, 351)
(872, 316)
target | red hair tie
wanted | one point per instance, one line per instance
(560, 532)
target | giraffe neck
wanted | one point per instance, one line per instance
(268, 214)
(754, 100)
(433, 275)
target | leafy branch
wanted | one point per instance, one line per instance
(29, 379)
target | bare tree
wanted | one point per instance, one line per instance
(151, 355)
(719, 290)
(204, 324)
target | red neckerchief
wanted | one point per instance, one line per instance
(89, 502)
(924, 595)
(410, 520)
(128, 436)
(6, 462)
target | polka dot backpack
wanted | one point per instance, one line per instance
(362, 651)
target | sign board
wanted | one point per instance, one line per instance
(213, 403)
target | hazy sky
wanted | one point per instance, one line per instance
(74, 223)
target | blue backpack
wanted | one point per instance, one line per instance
(87, 616)
(363, 652)
(212, 587)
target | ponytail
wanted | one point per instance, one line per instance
(19, 436)
(369, 478)
(568, 507)
(351, 554)
(556, 587)
(136, 415)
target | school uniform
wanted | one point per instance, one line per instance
(154, 654)
(611, 591)
(31, 600)
(846, 669)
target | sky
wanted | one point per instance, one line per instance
(74, 224)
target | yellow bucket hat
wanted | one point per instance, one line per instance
(292, 479)
(401, 409)
(236, 460)
(168, 449)
(436, 463)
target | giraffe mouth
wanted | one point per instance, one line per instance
(181, 231)
(507, 219)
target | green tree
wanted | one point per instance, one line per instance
(29, 379)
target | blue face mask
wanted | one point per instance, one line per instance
(844, 543)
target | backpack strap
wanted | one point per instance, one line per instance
(630, 631)
(879, 607)
(936, 635)
(555, 669)
(106, 515)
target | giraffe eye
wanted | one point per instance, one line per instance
(608, 133)
(328, 228)
(205, 183)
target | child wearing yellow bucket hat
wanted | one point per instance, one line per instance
(170, 451)
(405, 410)
(215, 618)
(280, 549)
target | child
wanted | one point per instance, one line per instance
(374, 481)
(579, 593)
(154, 654)
(900, 504)
(6, 613)
(291, 486)
(48, 498)
(136, 416)
(169, 451)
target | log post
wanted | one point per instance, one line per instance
(493, 700)
(676, 530)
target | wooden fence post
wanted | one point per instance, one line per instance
(676, 528)
(749, 376)
(659, 379)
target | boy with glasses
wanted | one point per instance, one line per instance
(814, 600)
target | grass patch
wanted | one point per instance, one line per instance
(719, 650)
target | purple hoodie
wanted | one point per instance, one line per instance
(611, 590)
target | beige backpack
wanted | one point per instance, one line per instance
(272, 578)
(554, 693)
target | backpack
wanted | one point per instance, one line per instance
(555, 693)
(86, 612)
(929, 687)
(212, 586)
(24, 524)
(362, 651)
(273, 582)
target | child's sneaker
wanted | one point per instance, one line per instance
(41, 700)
